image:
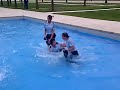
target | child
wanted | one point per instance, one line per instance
(71, 50)
(49, 32)
(55, 46)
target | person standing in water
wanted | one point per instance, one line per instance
(69, 44)
(49, 33)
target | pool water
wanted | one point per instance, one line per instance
(25, 63)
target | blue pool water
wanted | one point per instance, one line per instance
(25, 63)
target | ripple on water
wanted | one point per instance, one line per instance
(5, 76)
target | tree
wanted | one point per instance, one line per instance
(105, 1)
(8, 3)
(21, 1)
(1, 3)
(66, 1)
(85, 2)
(37, 7)
(52, 5)
(15, 4)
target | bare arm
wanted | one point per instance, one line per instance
(63, 45)
(52, 34)
(45, 33)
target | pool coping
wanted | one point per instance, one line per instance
(95, 31)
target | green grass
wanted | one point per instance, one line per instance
(59, 7)
(106, 15)
(113, 15)
(81, 7)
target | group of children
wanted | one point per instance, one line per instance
(68, 48)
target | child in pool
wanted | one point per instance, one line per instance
(55, 46)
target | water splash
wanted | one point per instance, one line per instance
(2, 74)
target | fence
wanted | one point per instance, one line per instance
(48, 5)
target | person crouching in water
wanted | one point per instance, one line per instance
(55, 46)
(71, 51)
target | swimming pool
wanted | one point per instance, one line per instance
(25, 63)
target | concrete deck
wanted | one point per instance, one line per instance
(103, 25)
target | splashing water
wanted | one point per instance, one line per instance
(26, 63)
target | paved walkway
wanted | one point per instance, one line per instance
(104, 25)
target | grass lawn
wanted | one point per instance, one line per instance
(81, 7)
(32, 6)
(45, 7)
(59, 7)
(113, 15)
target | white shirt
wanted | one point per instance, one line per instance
(56, 48)
(70, 43)
(49, 27)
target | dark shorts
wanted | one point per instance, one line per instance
(75, 52)
(65, 52)
(48, 37)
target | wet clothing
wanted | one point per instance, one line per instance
(49, 27)
(70, 43)
(57, 48)
(48, 37)
(66, 54)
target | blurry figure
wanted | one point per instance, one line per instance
(70, 50)
(55, 46)
(25, 4)
(49, 33)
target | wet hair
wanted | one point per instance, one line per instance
(65, 35)
(51, 42)
(50, 17)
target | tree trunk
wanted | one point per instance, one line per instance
(52, 5)
(105, 1)
(84, 2)
(8, 3)
(42, 1)
(1, 3)
(37, 7)
(21, 1)
(15, 4)
(66, 1)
